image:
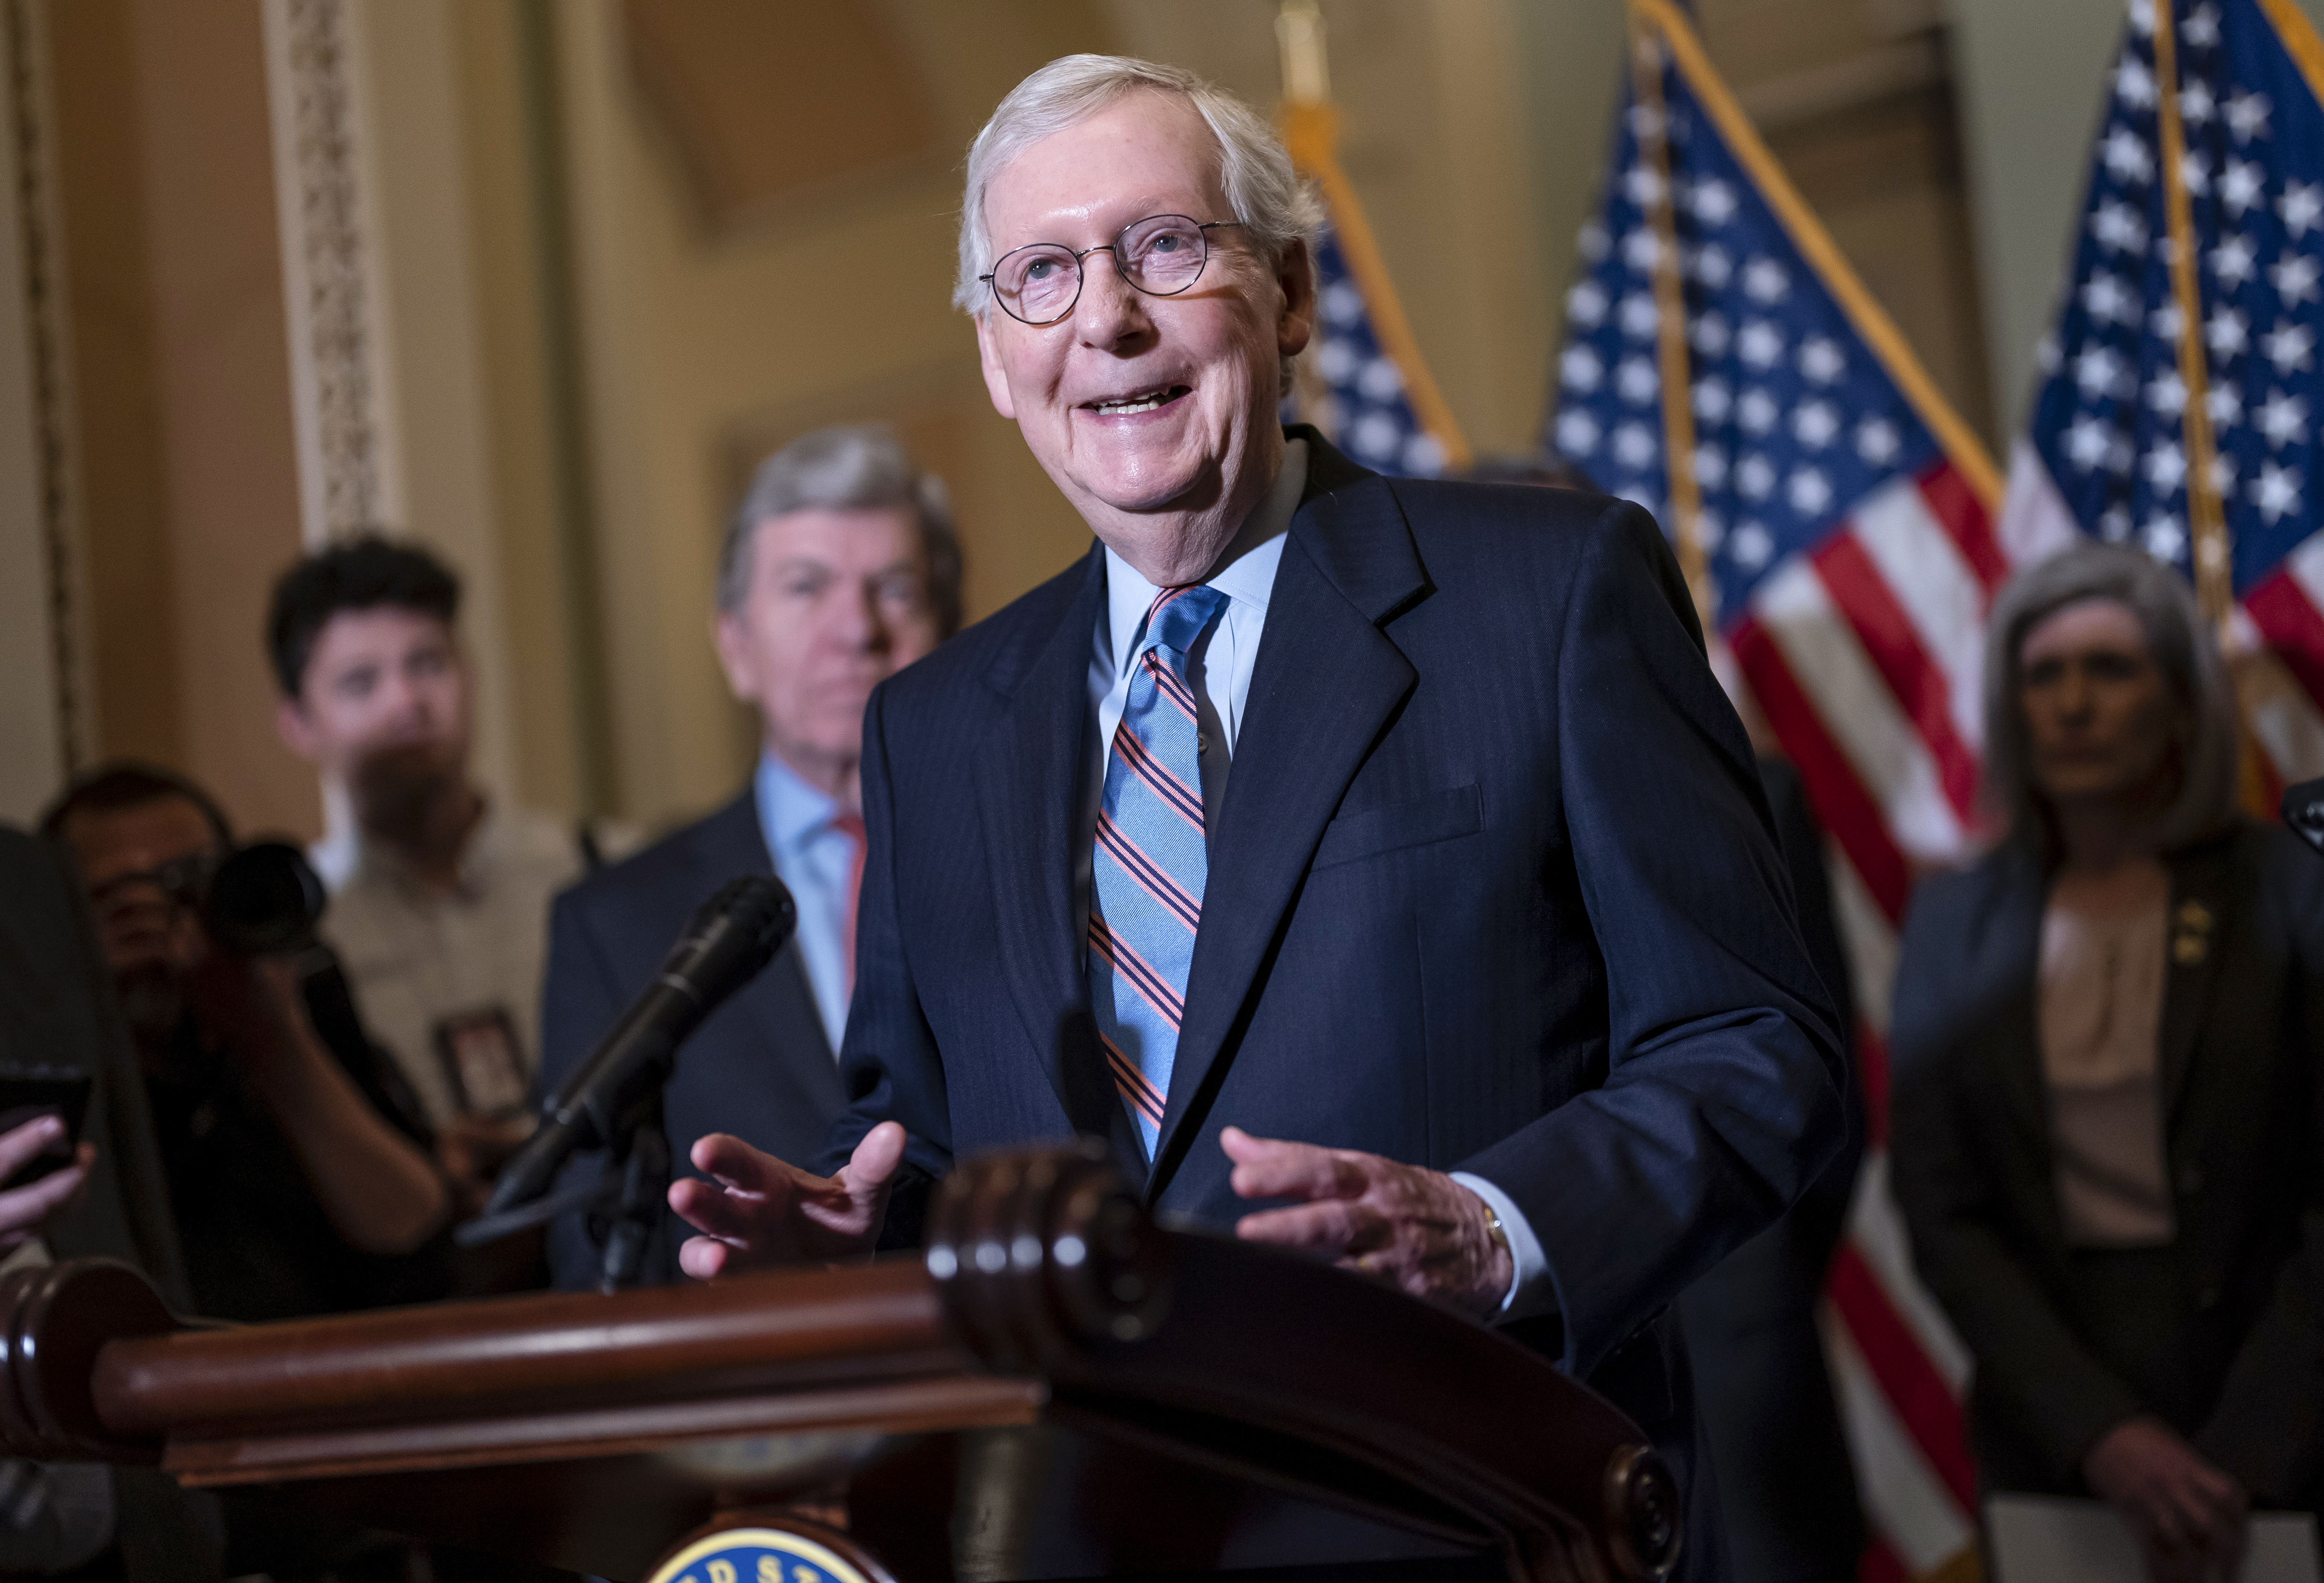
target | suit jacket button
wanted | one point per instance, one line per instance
(2207, 1299)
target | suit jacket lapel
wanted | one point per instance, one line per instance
(1029, 787)
(2009, 947)
(1327, 680)
(2195, 937)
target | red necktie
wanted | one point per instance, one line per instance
(851, 825)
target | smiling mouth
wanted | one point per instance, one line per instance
(1144, 402)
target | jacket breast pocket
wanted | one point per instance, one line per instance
(1440, 815)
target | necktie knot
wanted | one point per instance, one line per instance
(1178, 617)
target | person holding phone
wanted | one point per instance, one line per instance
(79, 1176)
(68, 1510)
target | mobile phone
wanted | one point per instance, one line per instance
(27, 1093)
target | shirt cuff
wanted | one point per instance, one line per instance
(1530, 1291)
(32, 1254)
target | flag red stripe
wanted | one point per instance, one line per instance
(1968, 524)
(1914, 1390)
(1881, 1565)
(1846, 810)
(1922, 689)
(1872, 1073)
(2279, 607)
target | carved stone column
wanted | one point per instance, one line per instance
(342, 371)
(41, 506)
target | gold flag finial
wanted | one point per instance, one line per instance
(1299, 35)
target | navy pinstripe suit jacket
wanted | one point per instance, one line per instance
(1492, 888)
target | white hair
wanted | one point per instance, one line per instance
(1273, 206)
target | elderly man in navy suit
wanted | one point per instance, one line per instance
(840, 566)
(1376, 864)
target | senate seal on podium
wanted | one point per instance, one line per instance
(763, 1555)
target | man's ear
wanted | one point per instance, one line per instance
(1296, 276)
(996, 378)
(297, 732)
(729, 638)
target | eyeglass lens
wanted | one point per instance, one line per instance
(1161, 254)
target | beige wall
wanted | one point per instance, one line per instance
(32, 739)
(182, 472)
(426, 255)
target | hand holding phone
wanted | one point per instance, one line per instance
(43, 1169)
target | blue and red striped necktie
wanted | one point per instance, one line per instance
(1150, 863)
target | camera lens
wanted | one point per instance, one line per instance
(265, 900)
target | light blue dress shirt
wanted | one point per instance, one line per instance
(816, 858)
(1219, 668)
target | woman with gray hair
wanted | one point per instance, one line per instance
(2105, 1121)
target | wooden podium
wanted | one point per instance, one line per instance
(618, 1435)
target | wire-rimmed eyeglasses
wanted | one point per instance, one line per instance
(1161, 255)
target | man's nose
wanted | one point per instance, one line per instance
(857, 622)
(1110, 309)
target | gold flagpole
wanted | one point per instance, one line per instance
(2205, 516)
(1311, 128)
(1670, 318)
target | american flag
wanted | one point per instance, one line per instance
(1838, 519)
(2117, 437)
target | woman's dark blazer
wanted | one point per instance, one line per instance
(2221, 1332)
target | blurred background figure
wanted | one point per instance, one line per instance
(440, 903)
(2106, 1104)
(291, 1192)
(839, 568)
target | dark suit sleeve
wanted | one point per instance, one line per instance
(2267, 1428)
(577, 1005)
(2057, 1396)
(1721, 1099)
(889, 1064)
(1820, 1216)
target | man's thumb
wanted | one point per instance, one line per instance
(876, 1158)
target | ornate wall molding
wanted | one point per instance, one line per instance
(32, 129)
(335, 295)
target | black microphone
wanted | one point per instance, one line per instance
(2303, 809)
(735, 934)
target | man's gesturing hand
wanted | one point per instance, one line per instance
(1418, 1228)
(757, 1210)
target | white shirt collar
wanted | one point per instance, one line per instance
(1248, 576)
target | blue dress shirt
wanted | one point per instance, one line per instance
(817, 859)
(1219, 666)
